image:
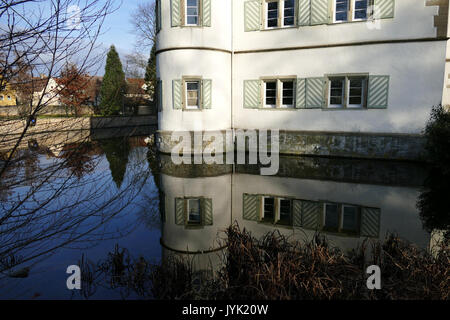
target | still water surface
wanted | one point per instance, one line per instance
(74, 202)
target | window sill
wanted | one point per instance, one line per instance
(280, 28)
(277, 109)
(192, 110)
(344, 109)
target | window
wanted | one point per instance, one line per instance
(289, 13)
(336, 93)
(269, 209)
(277, 210)
(9, 97)
(349, 218)
(192, 94)
(287, 94)
(279, 93)
(194, 211)
(272, 14)
(270, 89)
(331, 220)
(350, 10)
(280, 13)
(341, 218)
(356, 92)
(284, 216)
(1, 98)
(347, 92)
(192, 16)
(341, 12)
(360, 9)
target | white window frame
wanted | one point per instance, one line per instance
(266, 11)
(354, 11)
(186, 13)
(351, 5)
(199, 222)
(363, 91)
(336, 106)
(270, 106)
(282, 105)
(198, 106)
(346, 92)
(277, 208)
(282, 15)
(335, 11)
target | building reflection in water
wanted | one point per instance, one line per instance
(347, 200)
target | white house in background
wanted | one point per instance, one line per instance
(337, 77)
(48, 89)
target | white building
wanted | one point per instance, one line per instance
(46, 92)
(337, 77)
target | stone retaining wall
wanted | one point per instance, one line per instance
(334, 144)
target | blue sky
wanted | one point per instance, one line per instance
(117, 28)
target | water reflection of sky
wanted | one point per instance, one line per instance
(97, 228)
(117, 202)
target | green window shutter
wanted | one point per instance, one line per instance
(176, 13)
(206, 13)
(160, 96)
(319, 12)
(370, 222)
(304, 12)
(300, 95)
(158, 15)
(207, 93)
(314, 92)
(251, 207)
(297, 213)
(383, 9)
(311, 211)
(252, 15)
(207, 212)
(252, 94)
(180, 217)
(177, 88)
(378, 95)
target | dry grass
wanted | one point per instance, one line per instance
(273, 268)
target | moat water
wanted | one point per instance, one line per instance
(75, 204)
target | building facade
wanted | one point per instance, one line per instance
(351, 78)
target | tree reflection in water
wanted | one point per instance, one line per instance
(65, 196)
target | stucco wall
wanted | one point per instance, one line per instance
(212, 65)
(406, 48)
(416, 73)
(397, 204)
(412, 20)
(218, 189)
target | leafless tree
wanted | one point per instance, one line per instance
(144, 26)
(135, 64)
(50, 196)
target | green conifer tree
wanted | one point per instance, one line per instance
(113, 85)
(150, 74)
